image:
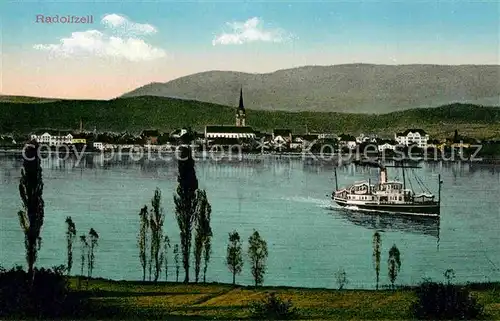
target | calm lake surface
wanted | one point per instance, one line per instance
(286, 200)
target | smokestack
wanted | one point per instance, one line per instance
(383, 175)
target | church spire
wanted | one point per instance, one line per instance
(240, 112)
(241, 100)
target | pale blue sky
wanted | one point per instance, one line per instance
(183, 24)
(190, 37)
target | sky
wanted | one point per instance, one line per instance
(132, 43)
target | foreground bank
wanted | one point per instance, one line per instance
(126, 300)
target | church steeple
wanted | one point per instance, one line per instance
(241, 107)
(240, 112)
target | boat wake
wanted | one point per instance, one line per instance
(311, 200)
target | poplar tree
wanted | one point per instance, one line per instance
(186, 204)
(32, 215)
(143, 239)
(157, 218)
(94, 241)
(84, 247)
(234, 255)
(257, 251)
(203, 233)
(207, 247)
(166, 246)
(70, 238)
(176, 260)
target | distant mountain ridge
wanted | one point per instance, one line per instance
(352, 88)
(26, 99)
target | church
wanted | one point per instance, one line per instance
(239, 131)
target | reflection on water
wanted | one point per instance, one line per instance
(102, 160)
(387, 222)
(287, 200)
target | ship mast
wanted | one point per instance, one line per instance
(404, 180)
(439, 208)
(402, 166)
(336, 183)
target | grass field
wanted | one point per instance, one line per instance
(123, 299)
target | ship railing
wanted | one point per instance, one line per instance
(424, 196)
(426, 202)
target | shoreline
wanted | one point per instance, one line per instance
(253, 156)
(383, 287)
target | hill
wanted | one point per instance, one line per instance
(353, 88)
(136, 114)
(26, 99)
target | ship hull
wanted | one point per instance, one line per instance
(432, 209)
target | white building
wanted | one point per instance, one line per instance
(327, 136)
(351, 144)
(53, 140)
(7, 138)
(387, 146)
(282, 136)
(412, 136)
(362, 138)
(347, 141)
(98, 145)
(178, 133)
(238, 132)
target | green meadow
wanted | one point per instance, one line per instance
(129, 299)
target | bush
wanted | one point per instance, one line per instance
(273, 307)
(438, 301)
(48, 298)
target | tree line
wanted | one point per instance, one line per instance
(88, 244)
(193, 215)
(31, 218)
(257, 253)
(192, 212)
(48, 295)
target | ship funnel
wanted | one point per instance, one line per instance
(383, 175)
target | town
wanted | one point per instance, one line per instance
(243, 136)
(282, 140)
(229, 160)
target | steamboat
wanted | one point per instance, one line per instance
(389, 196)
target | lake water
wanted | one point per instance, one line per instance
(286, 200)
